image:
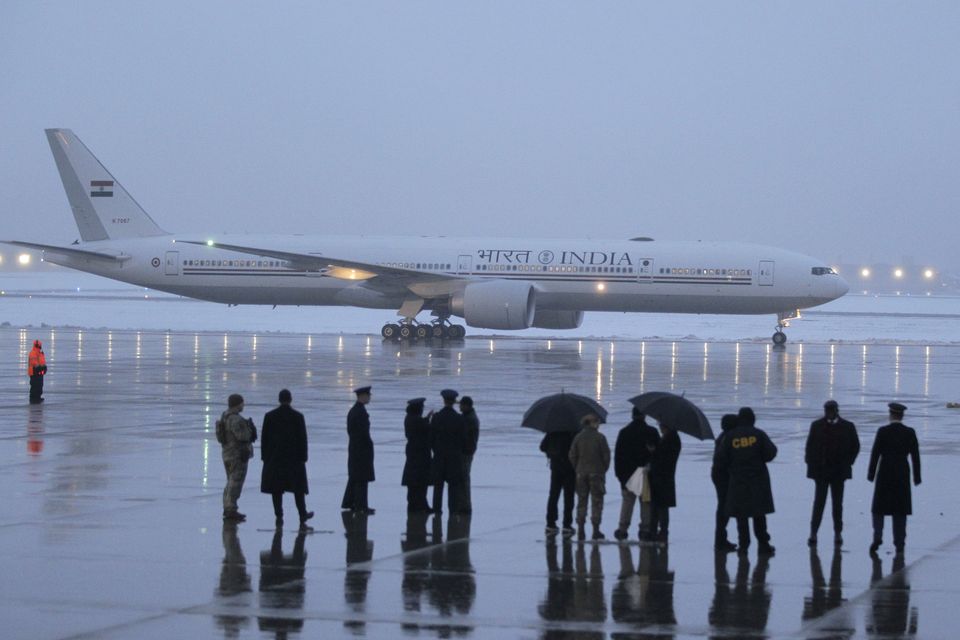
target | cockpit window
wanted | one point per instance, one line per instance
(823, 271)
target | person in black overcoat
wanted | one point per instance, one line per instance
(720, 476)
(448, 437)
(563, 478)
(891, 493)
(635, 446)
(745, 453)
(416, 470)
(283, 449)
(663, 484)
(359, 455)
(832, 447)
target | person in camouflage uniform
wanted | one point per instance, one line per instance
(238, 435)
(590, 457)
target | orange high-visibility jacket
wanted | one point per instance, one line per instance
(36, 359)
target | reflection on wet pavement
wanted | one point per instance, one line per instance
(118, 476)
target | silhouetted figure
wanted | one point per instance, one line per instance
(236, 435)
(643, 596)
(890, 614)
(283, 449)
(360, 471)
(720, 476)
(742, 611)
(557, 603)
(416, 469)
(415, 565)
(282, 586)
(663, 483)
(832, 448)
(472, 423)
(891, 493)
(452, 588)
(448, 433)
(745, 454)
(633, 450)
(356, 578)
(590, 457)
(556, 445)
(36, 370)
(234, 583)
(825, 597)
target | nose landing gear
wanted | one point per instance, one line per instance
(783, 321)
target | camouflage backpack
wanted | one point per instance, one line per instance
(221, 430)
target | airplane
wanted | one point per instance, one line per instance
(491, 283)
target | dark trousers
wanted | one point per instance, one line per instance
(298, 498)
(835, 487)
(722, 519)
(899, 529)
(561, 480)
(453, 502)
(355, 495)
(36, 388)
(659, 520)
(417, 498)
(759, 530)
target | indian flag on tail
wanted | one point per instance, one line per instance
(101, 188)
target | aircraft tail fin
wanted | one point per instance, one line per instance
(101, 206)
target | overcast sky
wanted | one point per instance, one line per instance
(829, 128)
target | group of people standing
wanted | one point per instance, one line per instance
(645, 463)
(440, 449)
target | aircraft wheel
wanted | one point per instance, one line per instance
(779, 338)
(438, 331)
(406, 332)
(456, 331)
(422, 332)
(390, 331)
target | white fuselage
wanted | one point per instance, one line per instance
(577, 275)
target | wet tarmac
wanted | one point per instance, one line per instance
(111, 523)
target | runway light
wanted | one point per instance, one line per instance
(209, 243)
(898, 273)
(928, 274)
(24, 259)
(864, 273)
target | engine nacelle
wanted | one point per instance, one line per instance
(544, 319)
(496, 304)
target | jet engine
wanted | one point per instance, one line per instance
(496, 304)
(544, 319)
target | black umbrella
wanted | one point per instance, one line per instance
(561, 412)
(674, 411)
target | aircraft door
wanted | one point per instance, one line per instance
(645, 269)
(464, 264)
(765, 273)
(171, 265)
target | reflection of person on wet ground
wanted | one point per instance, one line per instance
(416, 469)
(282, 586)
(234, 581)
(745, 607)
(415, 565)
(360, 472)
(35, 430)
(720, 476)
(890, 612)
(556, 445)
(891, 493)
(359, 551)
(557, 605)
(452, 587)
(826, 597)
(643, 596)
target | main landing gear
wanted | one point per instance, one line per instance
(410, 329)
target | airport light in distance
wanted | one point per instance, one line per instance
(928, 274)
(864, 273)
(24, 259)
(898, 273)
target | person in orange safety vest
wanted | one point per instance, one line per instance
(36, 369)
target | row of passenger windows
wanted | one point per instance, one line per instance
(417, 265)
(554, 269)
(679, 271)
(234, 263)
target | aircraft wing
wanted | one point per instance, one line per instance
(375, 276)
(70, 251)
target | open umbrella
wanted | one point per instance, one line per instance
(561, 412)
(674, 411)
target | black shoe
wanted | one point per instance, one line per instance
(874, 546)
(551, 530)
(567, 532)
(766, 549)
(837, 540)
(306, 516)
(620, 534)
(234, 516)
(305, 527)
(725, 547)
(598, 535)
(812, 541)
